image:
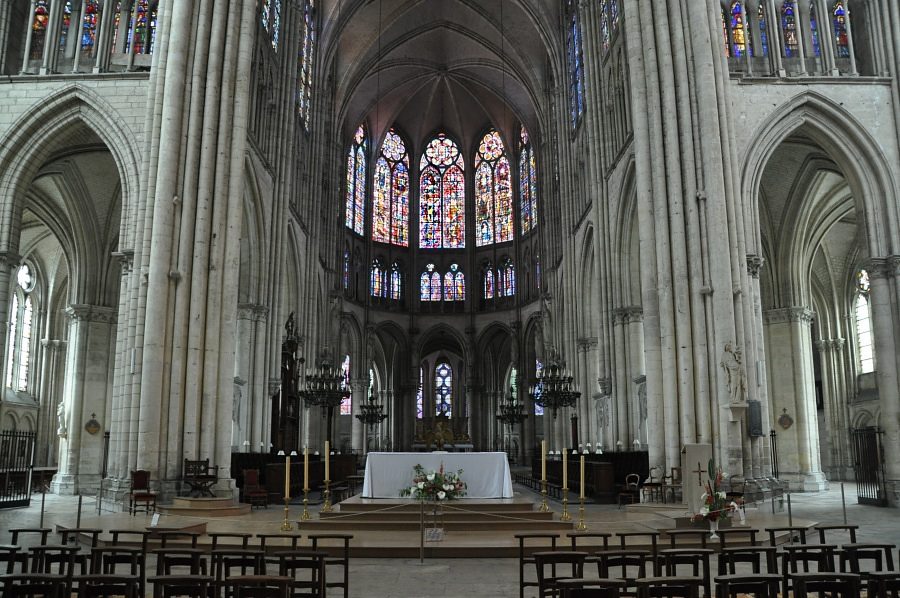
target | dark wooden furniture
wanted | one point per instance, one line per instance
(697, 559)
(630, 491)
(170, 559)
(307, 570)
(880, 555)
(189, 586)
(101, 586)
(836, 585)
(526, 560)
(294, 538)
(885, 584)
(553, 565)
(338, 555)
(795, 532)
(591, 588)
(200, 477)
(258, 586)
(140, 495)
(851, 529)
(582, 540)
(760, 585)
(669, 587)
(755, 556)
(17, 531)
(218, 536)
(33, 584)
(229, 563)
(253, 492)
(106, 560)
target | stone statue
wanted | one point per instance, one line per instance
(62, 432)
(735, 376)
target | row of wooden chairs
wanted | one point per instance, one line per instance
(177, 551)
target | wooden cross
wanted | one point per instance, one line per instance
(698, 471)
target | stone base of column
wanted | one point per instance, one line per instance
(814, 481)
(892, 488)
(116, 490)
(72, 484)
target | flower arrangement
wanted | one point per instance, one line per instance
(435, 485)
(715, 503)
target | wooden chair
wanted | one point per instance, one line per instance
(200, 477)
(526, 560)
(103, 586)
(880, 555)
(627, 565)
(70, 538)
(733, 537)
(168, 560)
(669, 587)
(755, 556)
(12, 555)
(759, 585)
(885, 584)
(29, 585)
(107, 560)
(821, 556)
(254, 494)
(258, 586)
(120, 537)
(44, 532)
(695, 536)
(795, 532)
(652, 490)
(552, 566)
(140, 493)
(230, 563)
(307, 570)
(672, 485)
(338, 556)
(294, 540)
(822, 529)
(55, 560)
(696, 558)
(834, 585)
(591, 588)
(166, 537)
(630, 491)
(187, 586)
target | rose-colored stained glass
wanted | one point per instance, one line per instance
(356, 182)
(493, 197)
(442, 196)
(390, 209)
(527, 185)
(489, 282)
(396, 282)
(484, 204)
(379, 288)
(381, 202)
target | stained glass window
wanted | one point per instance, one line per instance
(21, 323)
(575, 62)
(493, 192)
(442, 196)
(840, 30)
(614, 14)
(489, 281)
(305, 64)
(346, 271)
(66, 23)
(604, 25)
(527, 183)
(814, 30)
(265, 11)
(89, 26)
(789, 26)
(738, 30)
(725, 34)
(538, 386)
(142, 25)
(276, 23)
(763, 33)
(430, 285)
(379, 279)
(537, 271)
(420, 398)
(454, 284)
(507, 278)
(347, 400)
(864, 340)
(443, 389)
(396, 282)
(390, 202)
(39, 22)
(356, 182)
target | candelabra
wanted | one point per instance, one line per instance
(371, 413)
(554, 388)
(324, 387)
(511, 411)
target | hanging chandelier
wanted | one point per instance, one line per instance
(323, 388)
(554, 389)
(510, 410)
(371, 412)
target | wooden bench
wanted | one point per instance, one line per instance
(200, 477)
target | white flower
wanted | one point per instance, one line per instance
(704, 510)
(447, 486)
(442, 495)
(720, 495)
(430, 477)
(414, 490)
(421, 485)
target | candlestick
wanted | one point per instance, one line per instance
(580, 526)
(286, 524)
(305, 469)
(565, 512)
(581, 458)
(305, 515)
(543, 461)
(326, 506)
(544, 508)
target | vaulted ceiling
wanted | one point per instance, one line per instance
(457, 65)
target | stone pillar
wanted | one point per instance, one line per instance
(776, 43)
(853, 70)
(827, 43)
(50, 397)
(85, 392)
(792, 391)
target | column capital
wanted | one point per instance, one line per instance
(587, 343)
(126, 260)
(789, 314)
(274, 385)
(883, 267)
(10, 258)
(629, 314)
(823, 345)
(754, 264)
(84, 312)
(253, 311)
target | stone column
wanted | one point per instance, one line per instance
(29, 37)
(51, 397)
(853, 71)
(827, 44)
(86, 390)
(776, 44)
(792, 389)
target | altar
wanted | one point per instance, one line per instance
(486, 474)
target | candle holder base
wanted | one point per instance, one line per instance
(580, 526)
(326, 495)
(286, 524)
(544, 508)
(305, 515)
(565, 511)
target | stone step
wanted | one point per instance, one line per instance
(205, 508)
(350, 524)
(525, 517)
(191, 502)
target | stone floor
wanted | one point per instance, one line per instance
(470, 578)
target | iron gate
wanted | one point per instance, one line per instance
(868, 456)
(16, 460)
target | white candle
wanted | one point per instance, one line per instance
(287, 477)
(582, 476)
(306, 469)
(565, 479)
(543, 460)
(327, 451)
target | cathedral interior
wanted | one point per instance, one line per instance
(687, 212)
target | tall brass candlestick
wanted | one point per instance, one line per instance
(565, 487)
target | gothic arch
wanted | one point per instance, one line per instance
(849, 145)
(33, 137)
(252, 259)
(456, 340)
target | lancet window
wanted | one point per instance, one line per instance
(430, 285)
(789, 26)
(390, 203)
(347, 400)
(378, 279)
(21, 326)
(507, 273)
(396, 290)
(442, 196)
(489, 281)
(864, 340)
(527, 183)
(538, 385)
(305, 63)
(454, 284)
(575, 60)
(839, 19)
(443, 389)
(356, 182)
(493, 192)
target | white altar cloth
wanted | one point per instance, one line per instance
(486, 474)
